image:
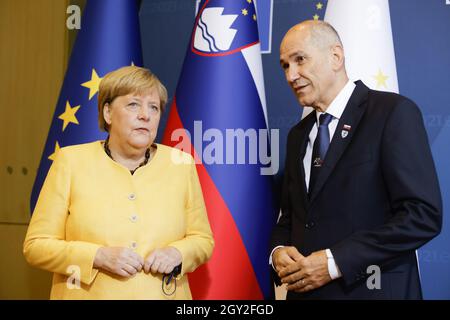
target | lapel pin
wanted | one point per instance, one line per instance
(345, 130)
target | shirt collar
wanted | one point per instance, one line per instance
(337, 106)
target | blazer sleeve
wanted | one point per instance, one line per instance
(45, 245)
(281, 234)
(415, 198)
(197, 245)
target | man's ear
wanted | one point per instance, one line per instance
(338, 57)
(107, 113)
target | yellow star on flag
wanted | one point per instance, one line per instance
(316, 17)
(92, 84)
(319, 6)
(381, 79)
(254, 17)
(249, 1)
(69, 115)
(52, 156)
(244, 12)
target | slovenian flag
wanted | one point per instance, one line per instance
(219, 116)
(109, 38)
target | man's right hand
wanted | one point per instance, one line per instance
(118, 260)
(284, 256)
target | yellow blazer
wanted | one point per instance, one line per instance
(88, 201)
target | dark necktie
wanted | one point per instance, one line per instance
(320, 148)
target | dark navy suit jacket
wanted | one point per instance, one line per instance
(375, 201)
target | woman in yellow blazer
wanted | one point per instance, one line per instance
(115, 216)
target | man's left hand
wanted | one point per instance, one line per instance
(307, 273)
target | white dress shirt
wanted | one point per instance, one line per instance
(336, 109)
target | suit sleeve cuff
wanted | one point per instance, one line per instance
(270, 257)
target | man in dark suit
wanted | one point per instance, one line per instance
(360, 191)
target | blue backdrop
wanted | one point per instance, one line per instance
(422, 47)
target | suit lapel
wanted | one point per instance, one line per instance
(301, 144)
(351, 117)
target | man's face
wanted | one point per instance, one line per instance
(307, 68)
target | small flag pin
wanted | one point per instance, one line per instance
(345, 130)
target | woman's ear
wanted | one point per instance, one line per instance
(107, 113)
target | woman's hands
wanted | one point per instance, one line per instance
(162, 260)
(118, 260)
(126, 263)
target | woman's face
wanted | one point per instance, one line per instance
(133, 119)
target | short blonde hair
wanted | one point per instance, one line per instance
(126, 80)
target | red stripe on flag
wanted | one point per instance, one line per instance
(229, 273)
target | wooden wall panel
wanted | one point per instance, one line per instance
(33, 55)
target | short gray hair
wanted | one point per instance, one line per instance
(323, 34)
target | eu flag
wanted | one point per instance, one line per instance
(109, 38)
(220, 105)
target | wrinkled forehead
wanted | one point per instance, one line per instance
(295, 39)
(148, 93)
(294, 46)
(140, 94)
